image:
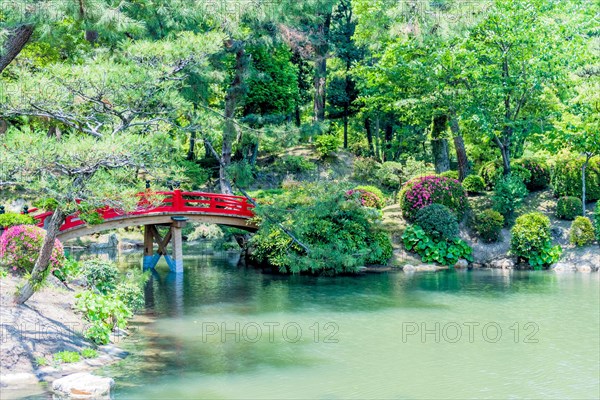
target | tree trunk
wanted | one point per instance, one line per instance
(369, 135)
(235, 95)
(15, 42)
(583, 169)
(505, 151)
(439, 144)
(461, 153)
(320, 80)
(191, 155)
(43, 261)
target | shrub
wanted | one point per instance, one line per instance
(342, 235)
(487, 225)
(101, 275)
(20, 246)
(450, 174)
(327, 145)
(445, 252)
(508, 195)
(491, 172)
(520, 172)
(104, 311)
(294, 165)
(11, 219)
(389, 175)
(597, 221)
(423, 191)
(474, 184)
(531, 240)
(437, 221)
(568, 208)
(539, 173)
(381, 249)
(370, 196)
(365, 170)
(566, 178)
(582, 232)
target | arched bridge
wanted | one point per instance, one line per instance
(174, 210)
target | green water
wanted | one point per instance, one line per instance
(361, 337)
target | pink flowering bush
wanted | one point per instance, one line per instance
(20, 245)
(425, 190)
(366, 197)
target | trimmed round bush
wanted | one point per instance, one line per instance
(582, 232)
(20, 246)
(540, 173)
(425, 190)
(491, 172)
(568, 208)
(375, 190)
(508, 195)
(474, 184)
(437, 221)
(381, 249)
(450, 174)
(390, 174)
(520, 172)
(487, 225)
(531, 240)
(566, 178)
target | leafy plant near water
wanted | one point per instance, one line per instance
(340, 233)
(66, 357)
(597, 221)
(582, 232)
(443, 251)
(437, 221)
(568, 208)
(105, 312)
(101, 275)
(89, 353)
(41, 361)
(531, 240)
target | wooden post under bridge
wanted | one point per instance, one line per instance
(152, 236)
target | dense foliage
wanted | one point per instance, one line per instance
(437, 221)
(539, 173)
(581, 232)
(487, 225)
(20, 245)
(371, 196)
(531, 240)
(443, 251)
(11, 219)
(597, 221)
(566, 178)
(509, 193)
(423, 191)
(340, 234)
(568, 207)
(474, 184)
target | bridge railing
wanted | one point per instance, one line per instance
(176, 201)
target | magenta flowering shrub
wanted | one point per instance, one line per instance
(425, 190)
(366, 198)
(20, 245)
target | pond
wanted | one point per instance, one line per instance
(228, 332)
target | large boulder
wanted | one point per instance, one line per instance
(83, 385)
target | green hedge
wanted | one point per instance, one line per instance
(531, 240)
(568, 208)
(539, 170)
(566, 178)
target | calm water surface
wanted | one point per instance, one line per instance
(225, 332)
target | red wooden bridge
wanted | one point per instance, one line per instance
(173, 209)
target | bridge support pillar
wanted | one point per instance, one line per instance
(174, 236)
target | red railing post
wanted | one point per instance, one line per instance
(177, 200)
